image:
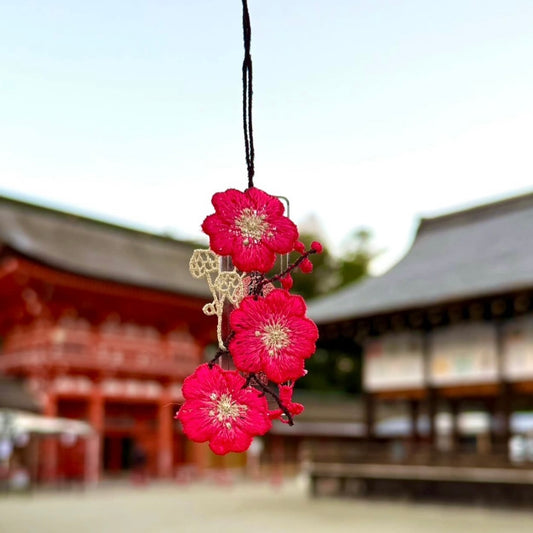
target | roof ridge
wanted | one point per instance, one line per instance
(61, 213)
(476, 213)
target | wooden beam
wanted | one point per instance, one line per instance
(455, 314)
(432, 415)
(470, 391)
(370, 411)
(498, 307)
(75, 281)
(401, 394)
(416, 319)
(522, 387)
(521, 303)
(414, 411)
(476, 311)
(398, 322)
(435, 316)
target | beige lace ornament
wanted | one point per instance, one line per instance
(225, 285)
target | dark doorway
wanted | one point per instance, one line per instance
(118, 453)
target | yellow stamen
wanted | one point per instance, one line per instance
(226, 409)
(275, 337)
(252, 226)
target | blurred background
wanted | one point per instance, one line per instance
(400, 134)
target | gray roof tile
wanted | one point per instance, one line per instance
(480, 251)
(97, 249)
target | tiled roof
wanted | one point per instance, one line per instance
(97, 249)
(476, 252)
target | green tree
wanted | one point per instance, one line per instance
(322, 280)
(356, 259)
(330, 272)
(336, 367)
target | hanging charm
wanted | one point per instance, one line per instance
(224, 286)
(270, 337)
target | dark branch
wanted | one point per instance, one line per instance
(267, 390)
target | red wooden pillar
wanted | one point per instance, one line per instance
(199, 455)
(114, 455)
(164, 435)
(94, 442)
(49, 448)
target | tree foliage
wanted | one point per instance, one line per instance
(335, 367)
(331, 272)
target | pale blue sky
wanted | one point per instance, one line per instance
(365, 112)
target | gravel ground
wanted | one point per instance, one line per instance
(241, 507)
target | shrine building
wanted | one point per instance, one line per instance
(447, 334)
(101, 323)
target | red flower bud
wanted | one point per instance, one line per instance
(286, 282)
(317, 247)
(306, 266)
(299, 247)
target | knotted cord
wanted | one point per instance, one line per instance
(247, 94)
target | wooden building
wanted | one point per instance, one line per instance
(447, 332)
(102, 323)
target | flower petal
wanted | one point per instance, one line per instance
(283, 238)
(218, 409)
(282, 369)
(229, 204)
(250, 227)
(230, 440)
(265, 202)
(253, 257)
(197, 428)
(204, 380)
(221, 237)
(273, 335)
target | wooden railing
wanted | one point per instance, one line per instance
(119, 349)
(92, 361)
(419, 454)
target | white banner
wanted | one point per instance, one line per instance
(463, 354)
(394, 362)
(518, 349)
